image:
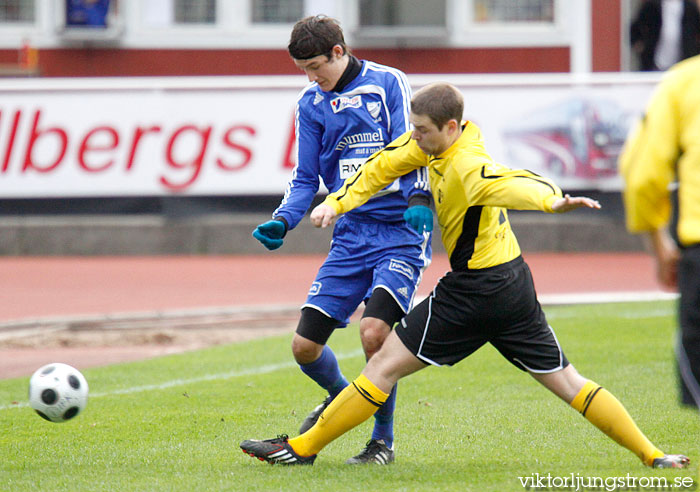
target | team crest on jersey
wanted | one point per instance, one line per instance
(315, 288)
(401, 267)
(340, 103)
(318, 98)
(374, 108)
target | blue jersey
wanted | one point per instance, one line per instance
(335, 134)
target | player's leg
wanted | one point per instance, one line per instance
(315, 358)
(339, 287)
(530, 344)
(360, 400)
(688, 344)
(399, 258)
(601, 408)
(381, 313)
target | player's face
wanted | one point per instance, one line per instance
(426, 134)
(324, 70)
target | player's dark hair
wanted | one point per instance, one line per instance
(440, 101)
(314, 36)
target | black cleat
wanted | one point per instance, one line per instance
(312, 418)
(671, 461)
(275, 450)
(376, 452)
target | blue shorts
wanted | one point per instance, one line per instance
(366, 255)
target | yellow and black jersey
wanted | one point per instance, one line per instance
(665, 146)
(472, 194)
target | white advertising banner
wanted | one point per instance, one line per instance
(235, 136)
(91, 141)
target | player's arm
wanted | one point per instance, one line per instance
(398, 95)
(647, 163)
(490, 184)
(398, 158)
(301, 189)
(415, 185)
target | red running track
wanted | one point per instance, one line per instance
(82, 286)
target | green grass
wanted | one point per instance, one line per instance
(477, 426)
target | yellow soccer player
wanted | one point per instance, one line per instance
(487, 297)
(665, 147)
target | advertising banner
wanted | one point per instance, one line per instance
(235, 136)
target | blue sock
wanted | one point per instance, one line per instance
(384, 420)
(326, 372)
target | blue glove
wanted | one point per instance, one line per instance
(419, 217)
(270, 234)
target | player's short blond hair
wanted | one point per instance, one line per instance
(440, 101)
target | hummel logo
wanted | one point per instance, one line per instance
(403, 291)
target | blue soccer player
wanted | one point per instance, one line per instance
(350, 110)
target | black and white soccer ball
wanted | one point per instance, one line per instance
(58, 392)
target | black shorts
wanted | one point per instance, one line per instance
(496, 305)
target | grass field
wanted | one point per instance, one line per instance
(174, 423)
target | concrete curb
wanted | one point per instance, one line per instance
(218, 234)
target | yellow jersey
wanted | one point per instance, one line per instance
(472, 195)
(665, 146)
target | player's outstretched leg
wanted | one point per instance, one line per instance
(606, 412)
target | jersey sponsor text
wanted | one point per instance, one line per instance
(375, 139)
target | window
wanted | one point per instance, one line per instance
(195, 11)
(502, 11)
(277, 11)
(17, 11)
(402, 13)
(84, 13)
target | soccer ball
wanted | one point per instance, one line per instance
(58, 392)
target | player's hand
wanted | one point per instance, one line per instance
(667, 257)
(420, 218)
(270, 234)
(569, 203)
(323, 215)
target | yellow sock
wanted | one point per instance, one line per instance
(355, 404)
(604, 411)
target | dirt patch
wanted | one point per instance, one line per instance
(26, 346)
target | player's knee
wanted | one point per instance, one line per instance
(304, 350)
(373, 332)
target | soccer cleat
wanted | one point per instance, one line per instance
(312, 418)
(376, 451)
(275, 450)
(671, 461)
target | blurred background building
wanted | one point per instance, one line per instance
(248, 37)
